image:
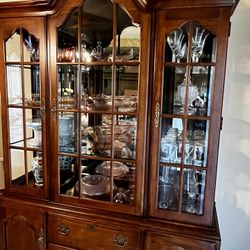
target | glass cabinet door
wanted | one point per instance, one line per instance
(97, 107)
(182, 121)
(25, 110)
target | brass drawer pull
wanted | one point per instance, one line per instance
(63, 229)
(91, 227)
(120, 241)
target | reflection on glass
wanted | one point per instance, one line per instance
(96, 88)
(202, 77)
(174, 91)
(35, 165)
(16, 126)
(67, 132)
(196, 146)
(14, 83)
(203, 45)
(17, 167)
(68, 175)
(126, 88)
(128, 37)
(12, 47)
(33, 128)
(96, 134)
(125, 133)
(97, 31)
(32, 85)
(30, 47)
(67, 86)
(193, 191)
(124, 183)
(168, 189)
(176, 45)
(192, 96)
(67, 39)
(171, 140)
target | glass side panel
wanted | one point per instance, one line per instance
(67, 86)
(169, 188)
(193, 191)
(125, 135)
(35, 168)
(196, 147)
(14, 84)
(127, 37)
(33, 128)
(17, 165)
(96, 31)
(126, 87)
(30, 47)
(202, 78)
(32, 87)
(176, 47)
(12, 47)
(174, 90)
(171, 140)
(95, 183)
(67, 132)
(96, 134)
(96, 87)
(203, 45)
(123, 179)
(67, 39)
(16, 126)
(69, 175)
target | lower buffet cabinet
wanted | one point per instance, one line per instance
(24, 226)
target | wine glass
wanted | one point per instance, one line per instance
(178, 47)
(192, 191)
(198, 39)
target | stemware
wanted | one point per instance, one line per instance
(198, 41)
(178, 47)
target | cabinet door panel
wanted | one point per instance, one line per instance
(187, 100)
(23, 229)
(23, 101)
(170, 242)
(99, 67)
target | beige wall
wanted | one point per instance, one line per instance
(233, 182)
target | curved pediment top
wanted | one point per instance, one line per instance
(26, 7)
(170, 4)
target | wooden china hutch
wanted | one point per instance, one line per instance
(111, 116)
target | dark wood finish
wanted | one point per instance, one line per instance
(47, 220)
(35, 26)
(56, 247)
(22, 229)
(173, 242)
(144, 20)
(220, 15)
(81, 224)
(72, 232)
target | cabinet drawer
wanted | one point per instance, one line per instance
(171, 242)
(89, 235)
(56, 247)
